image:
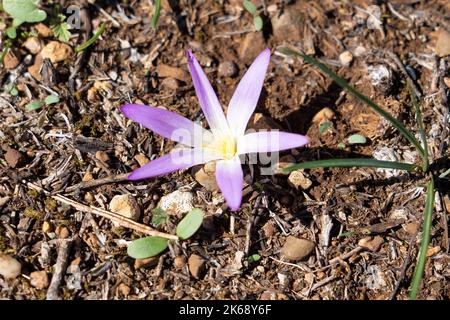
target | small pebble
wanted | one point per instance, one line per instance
(62, 232)
(141, 159)
(443, 43)
(56, 51)
(228, 69)
(297, 248)
(123, 289)
(177, 202)
(346, 58)
(88, 177)
(326, 114)
(197, 266)
(33, 45)
(125, 205)
(146, 263)
(10, 268)
(371, 243)
(102, 156)
(170, 83)
(46, 227)
(298, 180)
(13, 157)
(39, 279)
(179, 262)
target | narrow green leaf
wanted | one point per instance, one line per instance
(146, 247)
(33, 105)
(91, 41)
(323, 127)
(444, 174)
(159, 216)
(190, 224)
(423, 134)
(51, 99)
(5, 50)
(258, 22)
(344, 84)
(155, 17)
(249, 6)
(426, 230)
(13, 91)
(356, 139)
(357, 162)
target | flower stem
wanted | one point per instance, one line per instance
(91, 41)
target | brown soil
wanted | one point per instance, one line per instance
(59, 143)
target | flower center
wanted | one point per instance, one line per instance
(225, 146)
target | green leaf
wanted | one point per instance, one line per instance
(159, 216)
(323, 127)
(11, 32)
(61, 31)
(258, 22)
(344, 84)
(254, 258)
(51, 99)
(249, 6)
(423, 134)
(146, 247)
(33, 105)
(355, 162)
(13, 91)
(91, 41)
(155, 17)
(24, 11)
(356, 139)
(341, 145)
(426, 231)
(190, 224)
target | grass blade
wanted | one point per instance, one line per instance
(356, 162)
(91, 41)
(155, 17)
(344, 84)
(423, 134)
(426, 230)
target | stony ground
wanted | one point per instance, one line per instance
(313, 234)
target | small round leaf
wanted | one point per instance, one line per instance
(146, 247)
(356, 139)
(190, 224)
(258, 22)
(249, 6)
(34, 105)
(51, 99)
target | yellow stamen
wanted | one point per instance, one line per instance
(225, 146)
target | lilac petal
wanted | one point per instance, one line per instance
(246, 96)
(207, 97)
(175, 160)
(269, 141)
(166, 123)
(230, 179)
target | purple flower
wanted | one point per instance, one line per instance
(225, 140)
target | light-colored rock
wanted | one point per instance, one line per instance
(371, 243)
(13, 157)
(227, 69)
(288, 24)
(87, 176)
(252, 44)
(46, 227)
(35, 69)
(125, 205)
(56, 51)
(123, 289)
(443, 43)
(206, 176)
(11, 60)
(166, 71)
(39, 279)
(297, 248)
(141, 159)
(177, 202)
(43, 30)
(33, 45)
(346, 58)
(170, 83)
(325, 114)
(102, 156)
(10, 268)
(298, 180)
(62, 232)
(197, 266)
